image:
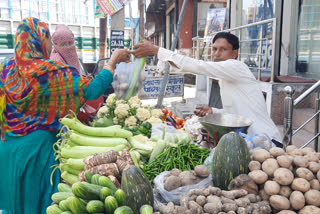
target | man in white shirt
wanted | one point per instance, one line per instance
(240, 91)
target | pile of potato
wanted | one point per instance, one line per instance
(217, 201)
(288, 179)
(176, 178)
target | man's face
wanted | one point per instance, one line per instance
(222, 50)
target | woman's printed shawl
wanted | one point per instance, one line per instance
(35, 91)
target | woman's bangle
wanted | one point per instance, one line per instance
(109, 67)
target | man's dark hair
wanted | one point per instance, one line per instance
(232, 39)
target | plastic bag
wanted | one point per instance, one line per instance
(172, 135)
(258, 141)
(128, 78)
(175, 195)
(208, 160)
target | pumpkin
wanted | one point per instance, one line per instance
(231, 158)
(137, 188)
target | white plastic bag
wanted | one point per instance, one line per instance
(172, 135)
(175, 195)
(258, 141)
(128, 78)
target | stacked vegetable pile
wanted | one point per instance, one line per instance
(100, 195)
(129, 114)
(81, 141)
(172, 119)
(289, 179)
(214, 200)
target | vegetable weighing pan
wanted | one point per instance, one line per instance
(222, 123)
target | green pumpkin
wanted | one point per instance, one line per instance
(137, 188)
(231, 158)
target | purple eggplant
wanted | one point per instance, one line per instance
(171, 120)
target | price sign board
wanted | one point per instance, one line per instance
(116, 40)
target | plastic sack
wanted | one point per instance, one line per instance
(128, 78)
(175, 195)
(172, 135)
(258, 141)
(208, 161)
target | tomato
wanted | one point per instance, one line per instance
(179, 121)
(170, 113)
(179, 127)
(165, 111)
(164, 117)
(174, 116)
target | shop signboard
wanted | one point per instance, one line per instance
(116, 40)
(151, 87)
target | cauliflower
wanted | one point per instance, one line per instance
(157, 113)
(103, 111)
(131, 121)
(154, 120)
(111, 99)
(134, 100)
(122, 110)
(134, 105)
(115, 120)
(121, 102)
(143, 114)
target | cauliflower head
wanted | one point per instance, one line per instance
(156, 113)
(143, 114)
(134, 100)
(120, 102)
(154, 120)
(104, 110)
(115, 121)
(122, 110)
(131, 121)
(111, 99)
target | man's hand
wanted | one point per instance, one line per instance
(145, 48)
(119, 55)
(203, 111)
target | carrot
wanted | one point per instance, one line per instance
(97, 159)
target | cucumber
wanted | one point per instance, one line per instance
(95, 179)
(63, 205)
(75, 205)
(60, 196)
(54, 209)
(86, 191)
(123, 210)
(121, 197)
(146, 209)
(110, 204)
(88, 175)
(106, 182)
(95, 206)
(66, 212)
(64, 188)
(105, 192)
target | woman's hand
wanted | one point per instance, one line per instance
(119, 55)
(145, 48)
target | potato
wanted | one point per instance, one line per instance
(314, 184)
(296, 152)
(276, 151)
(300, 161)
(212, 208)
(300, 184)
(297, 200)
(283, 176)
(264, 196)
(284, 161)
(318, 175)
(171, 183)
(312, 156)
(202, 171)
(260, 155)
(310, 210)
(279, 202)
(285, 191)
(201, 200)
(304, 173)
(254, 165)
(187, 178)
(286, 212)
(307, 150)
(269, 166)
(258, 176)
(312, 197)
(290, 148)
(175, 172)
(314, 166)
(271, 188)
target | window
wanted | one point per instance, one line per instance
(308, 39)
(4, 9)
